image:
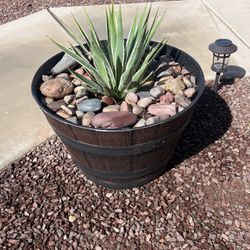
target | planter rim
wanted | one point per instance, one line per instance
(64, 121)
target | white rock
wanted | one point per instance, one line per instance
(152, 120)
(140, 123)
(144, 102)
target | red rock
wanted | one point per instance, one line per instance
(125, 107)
(86, 75)
(162, 110)
(55, 106)
(107, 100)
(112, 120)
(167, 98)
(56, 88)
(164, 100)
(79, 71)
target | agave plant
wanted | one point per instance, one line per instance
(116, 66)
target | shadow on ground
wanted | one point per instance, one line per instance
(233, 72)
(210, 121)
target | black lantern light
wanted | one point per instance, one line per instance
(222, 49)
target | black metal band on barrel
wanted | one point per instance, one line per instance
(119, 151)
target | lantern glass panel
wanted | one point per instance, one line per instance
(220, 62)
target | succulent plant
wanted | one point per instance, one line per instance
(116, 66)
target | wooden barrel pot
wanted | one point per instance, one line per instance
(123, 158)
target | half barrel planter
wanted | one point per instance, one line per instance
(123, 158)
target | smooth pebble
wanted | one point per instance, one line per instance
(89, 105)
(144, 102)
(152, 120)
(157, 91)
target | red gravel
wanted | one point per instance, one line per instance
(13, 9)
(203, 202)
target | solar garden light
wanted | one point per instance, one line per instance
(222, 49)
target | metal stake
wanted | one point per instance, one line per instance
(216, 82)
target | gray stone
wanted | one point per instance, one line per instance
(136, 110)
(144, 102)
(69, 98)
(182, 100)
(143, 94)
(89, 105)
(193, 80)
(157, 91)
(79, 114)
(73, 119)
(63, 65)
(167, 72)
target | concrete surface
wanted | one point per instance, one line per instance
(190, 25)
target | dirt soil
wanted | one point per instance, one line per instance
(202, 202)
(13, 9)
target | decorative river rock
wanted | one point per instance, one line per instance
(162, 109)
(63, 65)
(117, 119)
(56, 88)
(170, 90)
(89, 105)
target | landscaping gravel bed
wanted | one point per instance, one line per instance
(13, 9)
(201, 202)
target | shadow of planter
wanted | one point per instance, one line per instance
(210, 121)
